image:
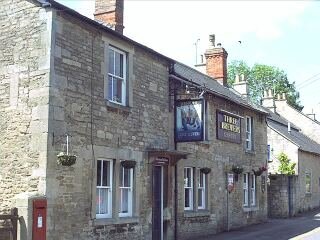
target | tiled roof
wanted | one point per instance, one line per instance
(214, 87)
(303, 142)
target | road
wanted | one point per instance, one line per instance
(306, 227)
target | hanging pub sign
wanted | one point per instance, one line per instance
(228, 127)
(188, 120)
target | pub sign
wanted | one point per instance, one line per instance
(228, 127)
(189, 120)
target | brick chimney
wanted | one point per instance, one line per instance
(110, 12)
(216, 61)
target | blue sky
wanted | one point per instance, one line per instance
(285, 34)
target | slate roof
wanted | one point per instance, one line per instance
(281, 120)
(302, 141)
(214, 87)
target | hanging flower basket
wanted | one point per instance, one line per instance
(65, 159)
(237, 169)
(259, 171)
(128, 163)
(205, 170)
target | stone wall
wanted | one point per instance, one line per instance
(220, 156)
(308, 163)
(24, 82)
(100, 130)
(283, 192)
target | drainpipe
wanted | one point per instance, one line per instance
(175, 174)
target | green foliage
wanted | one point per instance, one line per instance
(286, 167)
(262, 77)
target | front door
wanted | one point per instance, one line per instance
(157, 205)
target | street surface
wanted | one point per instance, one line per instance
(306, 227)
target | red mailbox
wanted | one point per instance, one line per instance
(39, 219)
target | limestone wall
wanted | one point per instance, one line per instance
(24, 86)
(220, 156)
(99, 129)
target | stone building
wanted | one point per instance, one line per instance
(285, 137)
(71, 86)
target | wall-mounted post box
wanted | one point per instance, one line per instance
(39, 219)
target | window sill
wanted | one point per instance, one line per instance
(308, 194)
(251, 152)
(116, 106)
(250, 209)
(205, 143)
(199, 213)
(112, 221)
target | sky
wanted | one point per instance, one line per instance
(284, 34)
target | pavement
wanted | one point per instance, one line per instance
(303, 227)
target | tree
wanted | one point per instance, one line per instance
(286, 167)
(263, 77)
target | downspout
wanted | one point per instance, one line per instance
(175, 166)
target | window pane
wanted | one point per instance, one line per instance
(99, 173)
(200, 197)
(119, 64)
(110, 84)
(97, 200)
(117, 90)
(106, 173)
(125, 174)
(103, 200)
(111, 61)
(124, 208)
(186, 197)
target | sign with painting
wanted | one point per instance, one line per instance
(188, 120)
(228, 127)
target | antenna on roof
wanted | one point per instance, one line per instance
(196, 44)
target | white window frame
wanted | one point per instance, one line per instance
(201, 189)
(189, 187)
(245, 183)
(124, 78)
(108, 188)
(249, 145)
(310, 176)
(252, 190)
(130, 192)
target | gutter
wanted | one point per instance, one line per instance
(190, 82)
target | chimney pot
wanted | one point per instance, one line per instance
(212, 39)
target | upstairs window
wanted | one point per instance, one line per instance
(117, 76)
(249, 143)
